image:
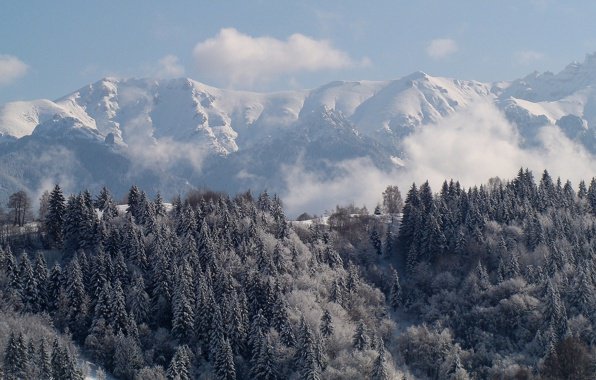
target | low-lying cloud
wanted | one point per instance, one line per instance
(358, 182)
(479, 142)
(237, 59)
(471, 146)
(11, 69)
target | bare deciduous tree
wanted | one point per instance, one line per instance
(19, 203)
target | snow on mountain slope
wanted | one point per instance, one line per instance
(547, 86)
(179, 132)
(18, 119)
(184, 109)
(417, 99)
(344, 97)
(180, 109)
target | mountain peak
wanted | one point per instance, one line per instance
(418, 76)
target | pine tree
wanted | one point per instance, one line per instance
(45, 364)
(134, 202)
(183, 312)
(583, 293)
(258, 329)
(103, 304)
(161, 288)
(179, 368)
(54, 220)
(138, 301)
(105, 204)
(380, 371)
(28, 285)
(332, 258)
(160, 208)
(238, 326)
(78, 301)
(411, 220)
(375, 240)
(128, 357)
(591, 196)
(337, 291)
(56, 282)
(361, 340)
(281, 321)
(306, 355)
(31, 369)
(395, 296)
(555, 312)
(15, 358)
(225, 369)
(326, 327)
(263, 365)
(118, 316)
(40, 273)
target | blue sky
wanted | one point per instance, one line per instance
(48, 49)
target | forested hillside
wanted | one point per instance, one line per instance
(495, 281)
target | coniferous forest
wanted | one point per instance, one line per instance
(491, 282)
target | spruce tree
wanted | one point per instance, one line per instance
(56, 282)
(411, 220)
(183, 312)
(395, 296)
(264, 366)
(45, 364)
(15, 358)
(306, 354)
(78, 300)
(326, 326)
(118, 316)
(361, 340)
(54, 220)
(380, 371)
(40, 272)
(134, 202)
(128, 357)
(554, 311)
(138, 301)
(28, 285)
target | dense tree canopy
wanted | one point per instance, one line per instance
(495, 281)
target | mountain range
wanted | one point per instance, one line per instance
(171, 135)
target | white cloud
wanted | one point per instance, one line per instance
(441, 48)
(170, 67)
(11, 68)
(479, 143)
(360, 182)
(471, 146)
(238, 59)
(527, 57)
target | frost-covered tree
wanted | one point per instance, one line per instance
(361, 340)
(326, 326)
(55, 216)
(395, 296)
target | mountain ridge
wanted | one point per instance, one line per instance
(196, 133)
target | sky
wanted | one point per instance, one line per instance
(49, 49)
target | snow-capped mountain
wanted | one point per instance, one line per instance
(168, 134)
